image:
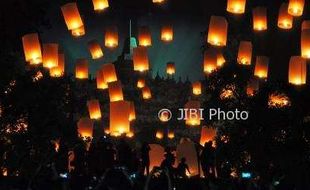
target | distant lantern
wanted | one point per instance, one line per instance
(261, 67)
(60, 69)
(101, 83)
(252, 87)
(210, 61)
(94, 109)
(167, 33)
(171, 135)
(72, 16)
(141, 83)
(115, 91)
(132, 113)
(220, 59)
(145, 38)
(260, 19)
(305, 25)
(109, 73)
(78, 31)
(192, 112)
(100, 5)
(95, 49)
(236, 6)
(159, 135)
(119, 117)
(245, 53)
(140, 59)
(85, 127)
(158, 1)
(297, 71)
(285, 20)
(111, 37)
(32, 48)
(170, 68)
(196, 88)
(296, 7)
(146, 93)
(217, 33)
(207, 134)
(305, 43)
(50, 55)
(81, 69)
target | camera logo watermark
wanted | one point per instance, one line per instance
(164, 115)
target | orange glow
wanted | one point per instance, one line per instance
(305, 43)
(171, 135)
(261, 67)
(156, 155)
(141, 83)
(130, 135)
(170, 68)
(158, 1)
(210, 61)
(296, 7)
(85, 127)
(132, 114)
(278, 100)
(140, 59)
(81, 69)
(167, 33)
(220, 58)
(159, 135)
(32, 48)
(4, 171)
(260, 19)
(50, 55)
(109, 73)
(72, 16)
(95, 49)
(94, 109)
(207, 134)
(100, 5)
(196, 88)
(78, 31)
(236, 6)
(217, 34)
(297, 70)
(144, 36)
(285, 20)
(115, 91)
(193, 119)
(146, 93)
(252, 87)
(305, 25)
(245, 53)
(60, 69)
(101, 83)
(119, 117)
(111, 37)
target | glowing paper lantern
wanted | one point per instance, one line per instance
(32, 48)
(50, 55)
(115, 91)
(170, 68)
(158, 1)
(60, 69)
(220, 60)
(140, 59)
(252, 87)
(81, 69)
(159, 135)
(261, 67)
(111, 37)
(156, 155)
(217, 34)
(192, 109)
(72, 16)
(207, 134)
(167, 33)
(78, 31)
(196, 88)
(285, 20)
(260, 18)
(146, 93)
(171, 135)
(132, 114)
(297, 71)
(144, 36)
(305, 25)
(305, 43)
(210, 61)
(100, 5)
(85, 127)
(236, 6)
(109, 73)
(94, 109)
(296, 7)
(141, 83)
(119, 117)
(101, 83)
(245, 53)
(95, 49)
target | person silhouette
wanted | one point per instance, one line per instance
(145, 158)
(207, 159)
(183, 168)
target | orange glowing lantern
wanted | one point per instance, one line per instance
(170, 68)
(119, 117)
(210, 61)
(81, 69)
(305, 25)
(60, 69)
(236, 6)
(156, 155)
(95, 49)
(85, 127)
(94, 109)
(101, 83)
(285, 20)
(217, 34)
(207, 134)
(252, 87)
(260, 19)
(144, 36)
(140, 59)
(196, 88)
(50, 55)
(32, 48)
(305, 43)
(193, 113)
(78, 31)
(296, 7)
(159, 135)
(115, 91)
(111, 37)
(141, 83)
(220, 58)
(109, 73)
(278, 100)
(171, 135)
(297, 71)
(100, 5)
(167, 33)
(72, 16)
(245, 53)
(261, 67)
(158, 1)
(146, 93)
(132, 114)
(130, 134)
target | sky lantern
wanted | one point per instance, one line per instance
(158, 1)
(278, 100)
(296, 7)
(100, 5)
(196, 88)
(60, 69)
(146, 93)
(72, 16)
(95, 49)
(119, 117)
(166, 33)
(101, 83)
(78, 32)
(85, 127)
(285, 20)
(207, 134)
(252, 87)
(260, 19)
(220, 59)
(261, 67)
(111, 37)
(50, 55)
(217, 33)
(132, 113)
(297, 70)
(236, 6)
(305, 43)
(170, 68)
(144, 36)
(141, 83)
(159, 135)
(109, 73)
(305, 25)
(193, 113)
(156, 155)
(140, 59)
(81, 69)
(115, 91)
(94, 109)
(171, 135)
(32, 48)
(210, 61)
(245, 53)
